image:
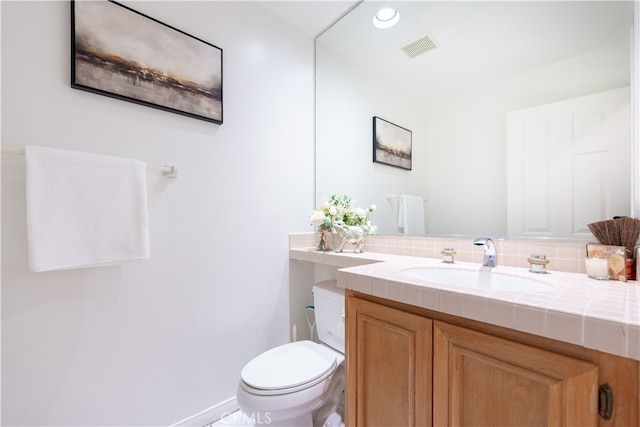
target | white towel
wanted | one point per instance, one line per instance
(411, 214)
(84, 210)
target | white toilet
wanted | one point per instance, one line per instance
(301, 383)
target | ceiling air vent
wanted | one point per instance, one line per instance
(419, 46)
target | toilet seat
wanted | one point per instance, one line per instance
(288, 368)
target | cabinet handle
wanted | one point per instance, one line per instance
(605, 401)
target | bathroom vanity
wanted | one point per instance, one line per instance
(413, 367)
(424, 353)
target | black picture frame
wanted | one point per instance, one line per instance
(392, 144)
(124, 54)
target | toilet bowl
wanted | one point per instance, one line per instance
(300, 383)
(287, 384)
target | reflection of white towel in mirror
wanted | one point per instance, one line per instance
(411, 214)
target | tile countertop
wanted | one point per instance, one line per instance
(602, 315)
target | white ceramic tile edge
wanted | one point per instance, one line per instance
(613, 331)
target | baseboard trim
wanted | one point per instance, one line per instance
(209, 415)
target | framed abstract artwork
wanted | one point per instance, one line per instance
(124, 54)
(391, 144)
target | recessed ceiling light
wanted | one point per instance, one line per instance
(386, 18)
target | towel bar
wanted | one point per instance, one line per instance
(391, 196)
(168, 171)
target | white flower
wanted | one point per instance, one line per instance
(317, 218)
(339, 208)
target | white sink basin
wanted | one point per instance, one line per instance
(477, 279)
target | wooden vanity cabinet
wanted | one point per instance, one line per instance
(482, 380)
(408, 366)
(389, 366)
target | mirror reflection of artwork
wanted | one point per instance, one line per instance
(391, 144)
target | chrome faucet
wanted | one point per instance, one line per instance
(490, 256)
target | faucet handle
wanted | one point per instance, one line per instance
(538, 263)
(447, 255)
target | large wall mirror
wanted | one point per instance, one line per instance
(520, 114)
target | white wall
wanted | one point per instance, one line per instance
(154, 342)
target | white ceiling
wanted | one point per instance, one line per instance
(310, 16)
(478, 41)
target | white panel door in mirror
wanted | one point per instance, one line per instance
(568, 165)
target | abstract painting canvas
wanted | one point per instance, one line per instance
(121, 53)
(391, 144)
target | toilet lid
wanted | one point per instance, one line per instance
(289, 366)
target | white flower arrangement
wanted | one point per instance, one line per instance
(340, 209)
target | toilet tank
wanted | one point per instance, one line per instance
(328, 300)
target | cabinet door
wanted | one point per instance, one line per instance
(388, 356)
(481, 380)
